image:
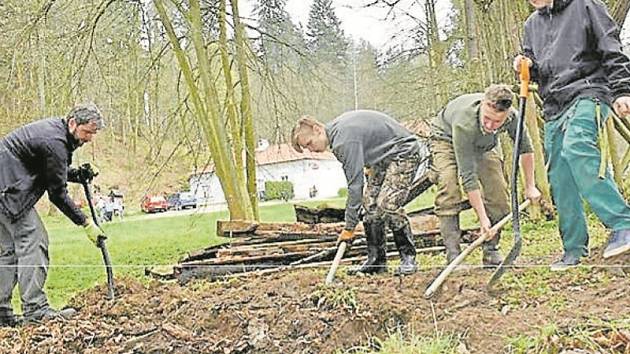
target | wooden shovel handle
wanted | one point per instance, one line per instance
(483, 238)
(335, 264)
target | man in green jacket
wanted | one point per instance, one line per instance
(465, 148)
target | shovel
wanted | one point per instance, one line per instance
(516, 225)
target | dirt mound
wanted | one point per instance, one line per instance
(294, 313)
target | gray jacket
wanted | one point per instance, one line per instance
(576, 52)
(366, 139)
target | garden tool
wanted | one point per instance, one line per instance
(85, 179)
(516, 226)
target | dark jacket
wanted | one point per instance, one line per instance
(576, 51)
(35, 159)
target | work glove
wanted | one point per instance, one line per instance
(87, 172)
(345, 236)
(93, 232)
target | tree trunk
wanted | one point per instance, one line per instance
(246, 108)
(230, 107)
(614, 155)
(542, 181)
(207, 109)
(619, 11)
(471, 34)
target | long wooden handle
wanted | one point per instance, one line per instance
(524, 77)
(483, 238)
(335, 264)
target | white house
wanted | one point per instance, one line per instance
(280, 163)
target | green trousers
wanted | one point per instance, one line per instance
(573, 156)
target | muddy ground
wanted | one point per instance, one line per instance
(293, 313)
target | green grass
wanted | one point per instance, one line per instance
(75, 264)
(401, 343)
(335, 297)
(135, 244)
(591, 336)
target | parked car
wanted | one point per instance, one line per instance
(153, 204)
(182, 200)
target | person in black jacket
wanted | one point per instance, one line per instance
(574, 52)
(36, 158)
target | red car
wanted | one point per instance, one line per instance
(153, 204)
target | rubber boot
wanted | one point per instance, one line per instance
(376, 261)
(491, 255)
(449, 228)
(407, 250)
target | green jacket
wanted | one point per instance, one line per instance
(459, 123)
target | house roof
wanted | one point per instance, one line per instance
(285, 153)
(278, 154)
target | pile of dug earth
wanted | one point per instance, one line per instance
(293, 312)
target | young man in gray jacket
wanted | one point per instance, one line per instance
(35, 159)
(574, 52)
(369, 139)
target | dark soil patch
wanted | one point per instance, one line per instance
(293, 313)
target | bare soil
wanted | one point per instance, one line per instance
(293, 313)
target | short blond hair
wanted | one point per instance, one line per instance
(303, 126)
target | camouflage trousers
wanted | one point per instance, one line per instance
(449, 194)
(387, 190)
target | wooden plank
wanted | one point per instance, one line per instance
(264, 245)
(187, 274)
(309, 215)
(243, 259)
(422, 223)
(427, 238)
(289, 249)
(230, 227)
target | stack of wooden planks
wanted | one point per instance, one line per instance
(272, 247)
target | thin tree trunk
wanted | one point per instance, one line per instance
(471, 36)
(246, 108)
(207, 111)
(542, 181)
(230, 107)
(614, 155)
(619, 11)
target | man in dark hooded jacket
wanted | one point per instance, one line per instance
(35, 159)
(574, 52)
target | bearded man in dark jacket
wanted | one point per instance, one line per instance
(575, 54)
(35, 159)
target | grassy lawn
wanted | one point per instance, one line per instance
(75, 264)
(133, 245)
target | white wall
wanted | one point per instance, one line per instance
(326, 175)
